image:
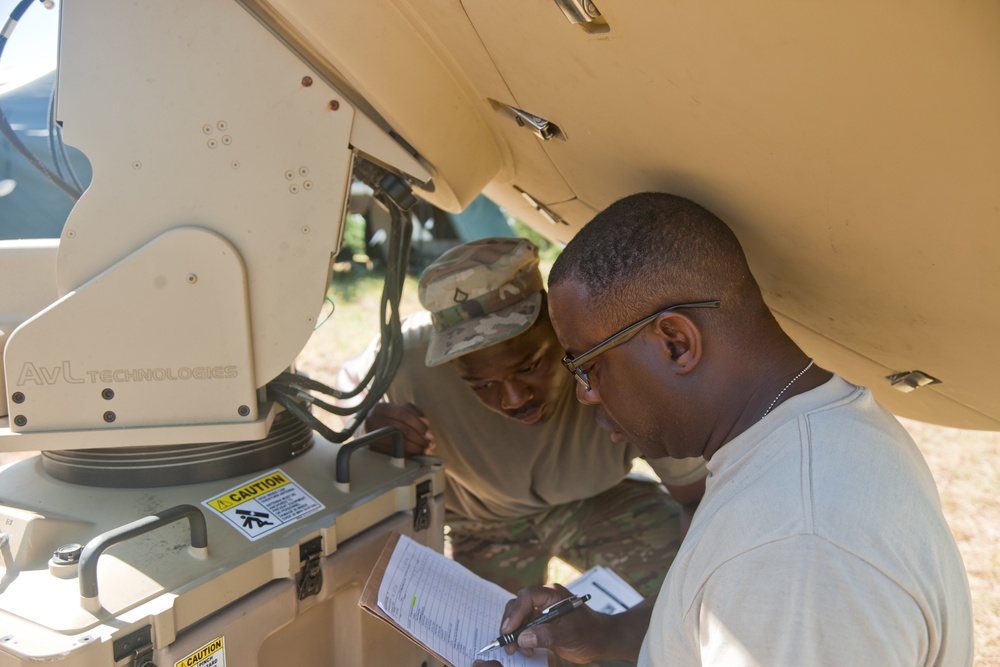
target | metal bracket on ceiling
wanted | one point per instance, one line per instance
(546, 212)
(543, 129)
(907, 381)
(579, 11)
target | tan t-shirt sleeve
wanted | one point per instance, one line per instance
(679, 472)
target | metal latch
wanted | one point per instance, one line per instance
(311, 575)
(138, 646)
(422, 511)
(579, 11)
(543, 128)
(907, 381)
(546, 212)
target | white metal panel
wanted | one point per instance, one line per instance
(192, 113)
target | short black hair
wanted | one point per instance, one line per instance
(652, 250)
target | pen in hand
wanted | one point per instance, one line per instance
(550, 613)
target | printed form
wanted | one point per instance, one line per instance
(444, 606)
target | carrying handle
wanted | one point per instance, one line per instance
(348, 448)
(97, 546)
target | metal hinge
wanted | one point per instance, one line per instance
(311, 575)
(422, 511)
(907, 381)
(138, 646)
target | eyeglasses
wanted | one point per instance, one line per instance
(622, 337)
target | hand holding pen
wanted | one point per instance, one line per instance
(550, 613)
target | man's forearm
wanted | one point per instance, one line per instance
(625, 632)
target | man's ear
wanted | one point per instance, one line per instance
(681, 339)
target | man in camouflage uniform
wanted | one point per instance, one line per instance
(530, 474)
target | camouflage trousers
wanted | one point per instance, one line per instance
(632, 528)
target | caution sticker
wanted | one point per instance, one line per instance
(264, 505)
(212, 654)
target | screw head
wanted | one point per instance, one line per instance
(110, 416)
(20, 420)
(333, 105)
(17, 397)
(244, 410)
(307, 81)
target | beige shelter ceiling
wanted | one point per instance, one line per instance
(853, 146)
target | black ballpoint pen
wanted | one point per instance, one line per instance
(550, 613)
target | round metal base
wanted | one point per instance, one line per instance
(174, 465)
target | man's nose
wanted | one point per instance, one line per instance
(515, 394)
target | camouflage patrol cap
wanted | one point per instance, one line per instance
(480, 293)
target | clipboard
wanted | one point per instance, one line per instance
(440, 605)
(369, 596)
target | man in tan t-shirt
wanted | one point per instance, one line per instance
(530, 475)
(820, 539)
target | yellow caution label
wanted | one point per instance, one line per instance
(248, 491)
(209, 654)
